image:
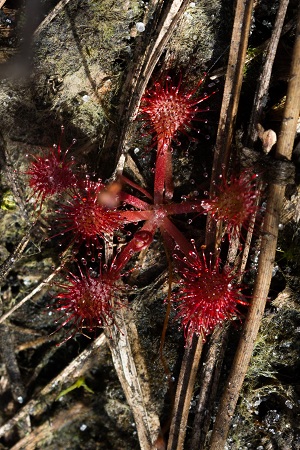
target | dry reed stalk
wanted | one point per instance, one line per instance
(266, 259)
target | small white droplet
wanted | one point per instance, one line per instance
(289, 404)
(140, 27)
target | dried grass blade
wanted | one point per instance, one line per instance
(266, 259)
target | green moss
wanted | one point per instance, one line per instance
(7, 201)
(269, 401)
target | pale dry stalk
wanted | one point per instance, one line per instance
(123, 341)
(48, 394)
(233, 85)
(184, 392)
(266, 259)
(35, 291)
(231, 97)
(209, 376)
(265, 77)
(232, 89)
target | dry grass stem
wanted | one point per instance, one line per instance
(45, 432)
(14, 257)
(266, 259)
(233, 84)
(51, 16)
(184, 392)
(32, 294)
(265, 77)
(209, 376)
(48, 394)
(231, 96)
(133, 375)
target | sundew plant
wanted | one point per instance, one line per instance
(88, 213)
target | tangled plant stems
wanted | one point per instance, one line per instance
(91, 210)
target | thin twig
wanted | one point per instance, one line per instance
(265, 77)
(266, 259)
(233, 84)
(44, 433)
(209, 377)
(184, 393)
(14, 257)
(48, 394)
(32, 293)
(51, 16)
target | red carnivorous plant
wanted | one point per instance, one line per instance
(85, 217)
(89, 302)
(207, 295)
(92, 210)
(51, 173)
(235, 202)
(169, 109)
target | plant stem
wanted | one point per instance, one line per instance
(264, 79)
(184, 393)
(162, 171)
(231, 96)
(266, 259)
(134, 246)
(209, 375)
(169, 229)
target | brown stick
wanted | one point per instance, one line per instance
(14, 257)
(264, 79)
(184, 393)
(74, 370)
(233, 84)
(209, 376)
(51, 16)
(231, 96)
(266, 260)
(123, 341)
(32, 293)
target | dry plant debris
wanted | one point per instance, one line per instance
(139, 249)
